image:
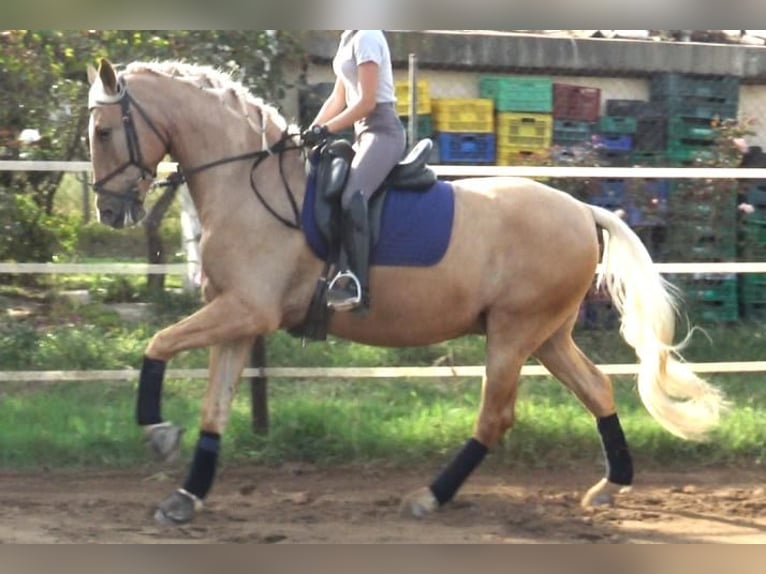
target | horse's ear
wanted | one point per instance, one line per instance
(108, 76)
(92, 74)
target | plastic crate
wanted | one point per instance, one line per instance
(615, 158)
(618, 125)
(688, 151)
(648, 158)
(714, 311)
(698, 107)
(651, 134)
(576, 102)
(403, 98)
(755, 194)
(424, 123)
(634, 108)
(511, 155)
(463, 115)
(519, 93)
(466, 148)
(691, 128)
(528, 131)
(721, 88)
(754, 226)
(715, 288)
(567, 132)
(613, 142)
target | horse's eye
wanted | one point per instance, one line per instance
(103, 133)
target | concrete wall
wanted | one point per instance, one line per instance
(452, 63)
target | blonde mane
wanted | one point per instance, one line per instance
(229, 91)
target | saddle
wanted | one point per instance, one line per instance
(332, 169)
(330, 166)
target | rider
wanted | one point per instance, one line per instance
(364, 97)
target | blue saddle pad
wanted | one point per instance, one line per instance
(415, 227)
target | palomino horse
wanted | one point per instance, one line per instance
(519, 261)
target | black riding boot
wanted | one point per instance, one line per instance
(349, 289)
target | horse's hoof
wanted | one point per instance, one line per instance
(177, 509)
(165, 441)
(602, 494)
(419, 504)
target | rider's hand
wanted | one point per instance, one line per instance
(315, 135)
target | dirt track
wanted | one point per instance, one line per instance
(304, 505)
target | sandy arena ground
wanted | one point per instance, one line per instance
(303, 504)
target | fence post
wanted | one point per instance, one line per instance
(412, 124)
(259, 388)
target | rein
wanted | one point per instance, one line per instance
(135, 159)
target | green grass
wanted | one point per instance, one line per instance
(328, 422)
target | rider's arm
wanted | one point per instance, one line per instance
(368, 86)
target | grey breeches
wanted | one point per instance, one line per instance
(380, 145)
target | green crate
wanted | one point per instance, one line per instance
(714, 311)
(649, 158)
(518, 93)
(754, 311)
(714, 288)
(425, 125)
(754, 227)
(690, 107)
(698, 129)
(618, 125)
(718, 88)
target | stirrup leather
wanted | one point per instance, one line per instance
(349, 303)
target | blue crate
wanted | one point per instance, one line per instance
(613, 142)
(466, 148)
(614, 188)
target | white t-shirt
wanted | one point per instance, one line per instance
(360, 46)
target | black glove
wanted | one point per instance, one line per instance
(315, 135)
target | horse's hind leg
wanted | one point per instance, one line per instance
(226, 363)
(505, 357)
(561, 356)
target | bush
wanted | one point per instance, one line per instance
(27, 233)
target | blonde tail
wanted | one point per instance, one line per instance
(674, 395)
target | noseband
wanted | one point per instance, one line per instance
(135, 158)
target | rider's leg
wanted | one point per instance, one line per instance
(380, 145)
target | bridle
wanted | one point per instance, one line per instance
(135, 159)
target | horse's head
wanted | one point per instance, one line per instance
(124, 152)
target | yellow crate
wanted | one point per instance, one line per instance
(514, 155)
(403, 98)
(464, 115)
(520, 130)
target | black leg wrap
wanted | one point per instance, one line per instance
(619, 464)
(202, 472)
(453, 477)
(150, 392)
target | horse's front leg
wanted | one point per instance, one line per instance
(226, 363)
(225, 318)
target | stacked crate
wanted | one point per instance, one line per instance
(703, 229)
(465, 130)
(524, 106)
(753, 286)
(650, 138)
(614, 139)
(424, 108)
(693, 104)
(576, 109)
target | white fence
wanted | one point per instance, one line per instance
(388, 372)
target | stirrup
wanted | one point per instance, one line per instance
(349, 303)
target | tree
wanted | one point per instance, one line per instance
(43, 87)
